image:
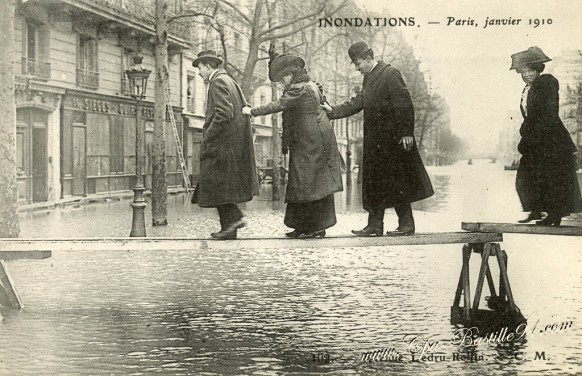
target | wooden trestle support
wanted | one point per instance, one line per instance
(504, 312)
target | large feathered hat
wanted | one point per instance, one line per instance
(530, 56)
(282, 65)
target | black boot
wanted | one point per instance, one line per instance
(535, 215)
(405, 220)
(369, 231)
(375, 225)
(550, 220)
(294, 234)
(311, 235)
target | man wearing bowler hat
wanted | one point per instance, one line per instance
(393, 174)
(228, 173)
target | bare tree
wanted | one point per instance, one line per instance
(390, 46)
(264, 22)
(159, 185)
(8, 195)
(573, 101)
(429, 112)
(450, 146)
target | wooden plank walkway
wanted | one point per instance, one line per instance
(162, 244)
(478, 237)
(485, 227)
(25, 254)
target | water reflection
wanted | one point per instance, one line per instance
(481, 192)
(268, 312)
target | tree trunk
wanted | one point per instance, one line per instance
(159, 188)
(248, 75)
(8, 196)
(276, 148)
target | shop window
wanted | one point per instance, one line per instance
(87, 75)
(116, 145)
(263, 99)
(35, 51)
(20, 161)
(191, 94)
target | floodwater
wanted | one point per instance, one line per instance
(288, 311)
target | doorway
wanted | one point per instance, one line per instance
(32, 154)
(79, 163)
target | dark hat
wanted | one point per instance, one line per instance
(357, 50)
(282, 65)
(530, 56)
(205, 56)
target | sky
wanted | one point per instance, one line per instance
(469, 64)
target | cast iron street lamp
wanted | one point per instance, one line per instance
(137, 75)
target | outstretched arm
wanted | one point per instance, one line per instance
(288, 100)
(351, 107)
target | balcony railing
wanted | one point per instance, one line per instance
(87, 79)
(138, 8)
(35, 68)
(144, 10)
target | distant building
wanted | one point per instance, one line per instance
(320, 57)
(75, 128)
(567, 68)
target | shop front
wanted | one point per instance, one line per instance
(192, 145)
(37, 134)
(98, 145)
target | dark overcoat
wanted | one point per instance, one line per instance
(390, 174)
(546, 177)
(228, 171)
(314, 160)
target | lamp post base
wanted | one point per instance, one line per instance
(138, 205)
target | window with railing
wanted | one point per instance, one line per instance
(144, 9)
(35, 51)
(87, 74)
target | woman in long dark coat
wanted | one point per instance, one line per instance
(546, 177)
(314, 159)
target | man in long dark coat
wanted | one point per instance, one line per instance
(393, 174)
(228, 174)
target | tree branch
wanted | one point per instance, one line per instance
(295, 20)
(188, 14)
(237, 11)
(329, 40)
(265, 38)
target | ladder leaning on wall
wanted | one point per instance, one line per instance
(178, 144)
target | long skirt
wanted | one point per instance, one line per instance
(549, 186)
(311, 216)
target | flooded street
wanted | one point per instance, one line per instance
(287, 311)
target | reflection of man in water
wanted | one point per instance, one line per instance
(393, 174)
